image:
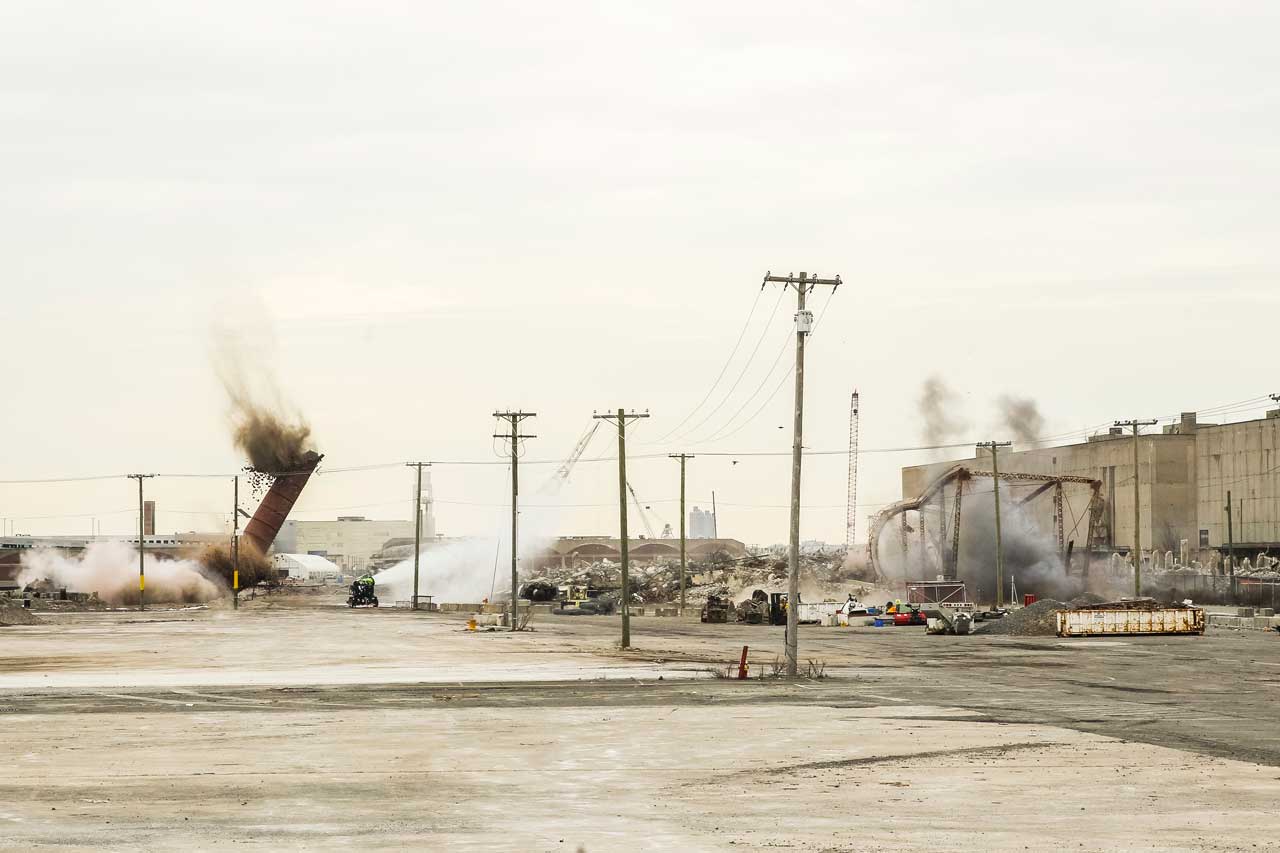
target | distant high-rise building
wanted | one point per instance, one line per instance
(148, 518)
(702, 524)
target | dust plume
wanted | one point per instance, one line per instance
(467, 570)
(937, 409)
(254, 568)
(1021, 417)
(273, 441)
(111, 570)
(1031, 556)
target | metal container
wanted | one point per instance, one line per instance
(1118, 622)
(818, 612)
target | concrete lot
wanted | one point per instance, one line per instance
(318, 727)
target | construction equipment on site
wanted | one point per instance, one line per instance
(851, 513)
(573, 595)
(777, 608)
(754, 610)
(362, 593)
(950, 621)
(717, 609)
(561, 476)
(640, 510)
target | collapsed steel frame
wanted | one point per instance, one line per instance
(948, 543)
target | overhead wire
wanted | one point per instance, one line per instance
(720, 434)
(723, 370)
(323, 471)
(742, 373)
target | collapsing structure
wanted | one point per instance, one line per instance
(938, 552)
(270, 516)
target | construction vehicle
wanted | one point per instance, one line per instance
(777, 608)
(717, 609)
(909, 615)
(573, 595)
(362, 593)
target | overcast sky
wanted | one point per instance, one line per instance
(417, 213)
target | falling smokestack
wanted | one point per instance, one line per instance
(263, 528)
(277, 446)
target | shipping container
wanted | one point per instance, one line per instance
(1169, 620)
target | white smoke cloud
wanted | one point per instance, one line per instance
(462, 571)
(111, 570)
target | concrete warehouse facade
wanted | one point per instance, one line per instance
(348, 541)
(1185, 472)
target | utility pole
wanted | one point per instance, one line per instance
(994, 447)
(804, 326)
(514, 419)
(1137, 507)
(235, 544)
(1231, 547)
(417, 526)
(142, 542)
(620, 421)
(683, 457)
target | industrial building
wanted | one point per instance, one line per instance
(351, 540)
(348, 541)
(1185, 473)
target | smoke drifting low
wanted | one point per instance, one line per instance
(111, 570)
(456, 572)
(1031, 556)
(273, 442)
(939, 421)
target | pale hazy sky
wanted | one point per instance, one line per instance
(422, 212)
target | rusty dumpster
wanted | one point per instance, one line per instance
(1095, 622)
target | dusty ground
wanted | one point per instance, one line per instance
(319, 727)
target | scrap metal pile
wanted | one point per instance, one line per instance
(659, 583)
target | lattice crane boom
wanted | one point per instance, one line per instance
(851, 521)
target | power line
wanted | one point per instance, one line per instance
(1226, 408)
(764, 333)
(723, 370)
(720, 434)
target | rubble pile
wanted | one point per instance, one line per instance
(822, 573)
(1038, 620)
(13, 613)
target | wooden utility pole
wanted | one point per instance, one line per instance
(417, 526)
(1231, 547)
(804, 326)
(514, 419)
(684, 564)
(1137, 507)
(235, 544)
(994, 447)
(620, 421)
(142, 542)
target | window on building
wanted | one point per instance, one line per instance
(1204, 539)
